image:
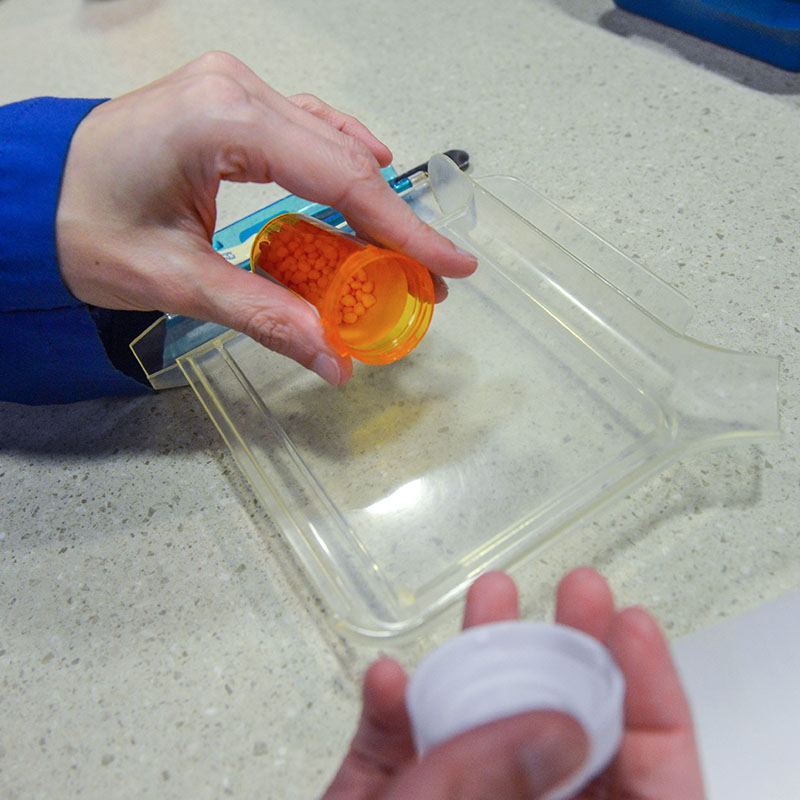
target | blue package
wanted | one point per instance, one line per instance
(244, 229)
(768, 30)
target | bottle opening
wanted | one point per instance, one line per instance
(379, 306)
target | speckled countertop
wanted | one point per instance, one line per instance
(156, 638)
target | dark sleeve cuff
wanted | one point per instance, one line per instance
(56, 356)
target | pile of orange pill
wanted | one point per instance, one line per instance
(304, 258)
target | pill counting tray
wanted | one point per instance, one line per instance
(550, 381)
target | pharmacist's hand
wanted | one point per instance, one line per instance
(138, 202)
(658, 757)
(527, 755)
(522, 757)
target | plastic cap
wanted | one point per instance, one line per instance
(495, 671)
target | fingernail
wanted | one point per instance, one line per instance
(551, 760)
(327, 368)
(312, 307)
(468, 257)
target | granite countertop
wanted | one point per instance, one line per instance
(157, 639)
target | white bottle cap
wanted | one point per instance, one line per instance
(495, 671)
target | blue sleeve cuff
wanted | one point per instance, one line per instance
(50, 349)
(34, 139)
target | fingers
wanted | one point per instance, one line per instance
(654, 693)
(345, 175)
(321, 154)
(654, 696)
(268, 313)
(440, 290)
(348, 125)
(385, 731)
(302, 109)
(382, 743)
(659, 756)
(492, 597)
(374, 209)
(584, 601)
(525, 756)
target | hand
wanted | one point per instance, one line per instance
(137, 208)
(528, 755)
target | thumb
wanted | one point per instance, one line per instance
(526, 756)
(267, 312)
(555, 756)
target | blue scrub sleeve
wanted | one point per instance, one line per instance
(51, 344)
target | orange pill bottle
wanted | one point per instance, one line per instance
(375, 304)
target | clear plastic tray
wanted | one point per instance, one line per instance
(549, 382)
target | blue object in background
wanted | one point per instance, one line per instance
(768, 30)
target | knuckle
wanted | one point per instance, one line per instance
(359, 160)
(308, 102)
(413, 230)
(360, 169)
(215, 89)
(218, 61)
(270, 329)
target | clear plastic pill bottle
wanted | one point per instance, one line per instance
(375, 304)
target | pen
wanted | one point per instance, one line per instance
(399, 183)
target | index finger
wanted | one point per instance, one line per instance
(372, 207)
(654, 697)
(492, 598)
(342, 172)
(584, 601)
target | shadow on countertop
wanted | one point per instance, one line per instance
(730, 64)
(105, 15)
(168, 422)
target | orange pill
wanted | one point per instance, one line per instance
(348, 300)
(368, 300)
